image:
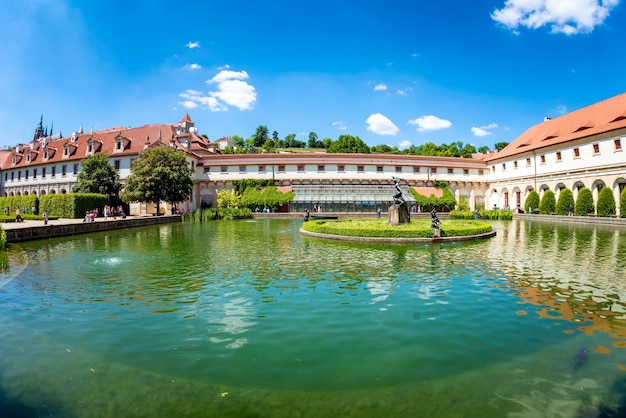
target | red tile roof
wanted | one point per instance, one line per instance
(605, 116)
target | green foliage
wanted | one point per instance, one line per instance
(228, 199)
(584, 203)
(260, 136)
(378, 228)
(159, 174)
(455, 149)
(240, 186)
(499, 146)
(212, 214)
(566, 198)
(98, 176)
(269, 197)
(622, 204)
(494, 214)
(532, 202)
(463, 205)
(445, 203)
(547, 205)
(440, 184)
(349, 144)
(606, 203)
(22, 202)
(72, 205)
(3, 241)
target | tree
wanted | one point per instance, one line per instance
(98, 176)
(547, 205)
(260, 136)
(584, 203)
(239, 141)
(313, 142)
(606, 203)
(349, 144)
(566, 199)
(484, 149)
(532, 202)
(499, 146)
(622, 204)
(160, 173)
(228, 199)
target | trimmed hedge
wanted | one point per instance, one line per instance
(25, 203)
(584, 203)
(72, 205)
(606, 203)
(493, 214)
(566, 198)
(445, 203)
(532, 201)
(378, 228)
(547, 205)
(622, 204)
(213, 214)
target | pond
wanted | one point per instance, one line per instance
(252, 319)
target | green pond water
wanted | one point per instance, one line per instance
(252, 319)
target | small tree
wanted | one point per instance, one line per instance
(532, 201)
(547, 205)
(98, 176)
(228, 199)
(606, 202)
(161, 173)
(584, 203)
(566, 199)
(622, 204)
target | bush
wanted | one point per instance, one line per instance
(72, 205)
(566, 198)
(445, 203)
(547, 205)
(3, 239)
(622, 204)
(25, 203)
(584, 203)
(606, 202)
(212, 214)
(532, 201)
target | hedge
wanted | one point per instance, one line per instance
(24, 203)
(72, 205)
(547, 205)
(532, 201)
(566, 199)
(606, 203)
(445, 203)
(622, 204)
(493, 214)
(584, 203)
(212, 214)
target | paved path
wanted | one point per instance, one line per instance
(61, 221)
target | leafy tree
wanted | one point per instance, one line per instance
(584, 203)
(313, 142)
(269, 145)
(484, 149)
(547, 205)
(532, 202)
(606, 202)
(292, 142)
(239, 141)
(268, 197)
(468, 150)
(349, 144)
(260, 136)
(228, 199)
(326, 142)
(98, 176)
(622, 204)
(160, 173)
(384, 149)
(566, 199)
(499, 146)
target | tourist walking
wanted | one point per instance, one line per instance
(18, 217)
(45, 217)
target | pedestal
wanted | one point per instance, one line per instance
(399, 214)
(436, 233)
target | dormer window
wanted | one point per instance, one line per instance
(90, 146)
(14, 160)
(66, 150)
(45, 153)
(28, 157)
(119, 144)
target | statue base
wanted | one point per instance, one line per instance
(399, 214)
(436, 233)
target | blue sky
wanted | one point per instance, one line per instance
(393, 72)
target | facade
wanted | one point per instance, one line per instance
(579, 149)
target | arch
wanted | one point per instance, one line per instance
(557, 190)
(43, 192)
(63, 191)
(18, 194)
(516, 195)
(53, 191)
(504, 198)
(34, 192)
(26, 193)
(618, 186)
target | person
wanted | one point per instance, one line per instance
(45, 217)
(18, 217)
(7, 211)
(378, 213)
(571, 210)
(34, 210)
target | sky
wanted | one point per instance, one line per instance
(393, 72)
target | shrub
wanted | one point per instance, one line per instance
(606, 202)
(532, 201)
(25, 203)
(547, 205)
(3, 239)
(212, 214)
(566, 198)
(584, 203)
(622, 204)
(445, 203)
(72, 205)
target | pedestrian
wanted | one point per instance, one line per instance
(571, 210)
(18, 217)
(45, 217)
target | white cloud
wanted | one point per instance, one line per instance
(561, 109)
(189, 104)
(232, 90)
(340, 125)
(430, 123)
(405, 144)
(569, 17)
(483, 130)
(196, 98)
(381, 125)
(192, 67)
(192, 45)
(381, 86)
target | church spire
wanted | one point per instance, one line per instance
(39, 129)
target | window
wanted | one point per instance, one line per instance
(63, 169)
(90, 147)
(118, 144)
(416, 169)
(300, 168)
(596, 148)
(34, 173)
(450, 171)
(223, 169)
(45, 153)
(75, 168)
(576, 152)
(26, 175)
(53, 170)
(617, 142)
(6, 176)
(558, 155)
(281, 168)
(493, 168)
(321, 168)
(465, 171)
(19, 175)
(503, 166)
(66, 150)
(360, 168)
(481, 172)
(341, 168)
(242, 168)
(379, 168)
(43, 172)
(433, 170)
(528, 162)
(12, 175)
(543, 159)
(515, 165)
(261, 169)
(398, 169)
(116, 164)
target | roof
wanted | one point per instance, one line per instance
(605, 116)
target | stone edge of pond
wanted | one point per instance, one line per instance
(397, 240)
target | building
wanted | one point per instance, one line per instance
(579, 149)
